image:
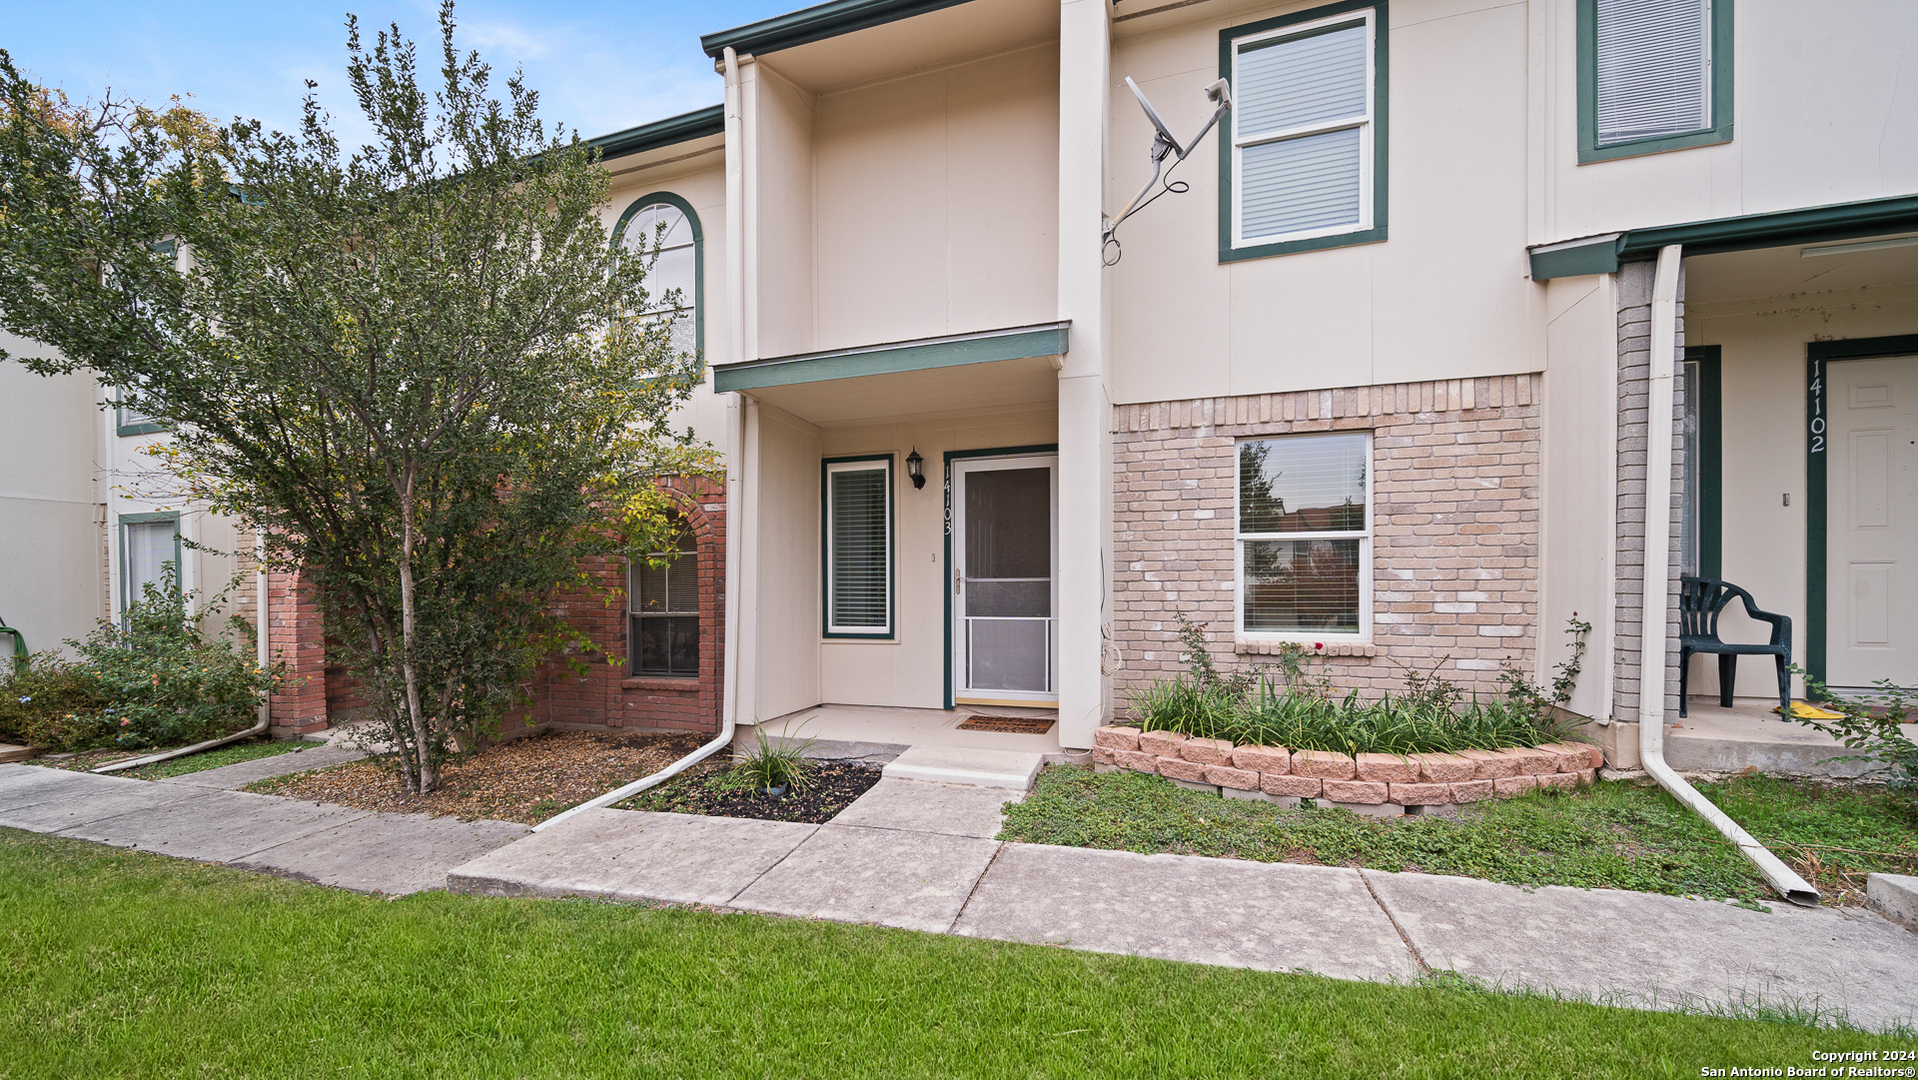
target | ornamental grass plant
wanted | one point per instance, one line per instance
(1296, 707)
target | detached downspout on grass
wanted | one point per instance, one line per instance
(735, 475)
(260, 651)
(1656, 601)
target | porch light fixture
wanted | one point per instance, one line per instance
(915, 468)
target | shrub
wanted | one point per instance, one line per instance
(167, 681)
(770, 765)
(53, 704)
(1295, 706)
(1870, 724)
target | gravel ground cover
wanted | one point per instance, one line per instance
(1613, 835)
(526, 780)
(833, 787)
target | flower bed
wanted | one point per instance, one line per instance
(1363, 780)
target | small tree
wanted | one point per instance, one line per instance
(418, 367)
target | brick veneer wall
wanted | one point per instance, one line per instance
(604, 697)
(1455, 553)
(1634, 396)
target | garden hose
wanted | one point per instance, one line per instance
(20, 653)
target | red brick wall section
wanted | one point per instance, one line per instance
(606, 696)
(1455, 533)
(294, 638)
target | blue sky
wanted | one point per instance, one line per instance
(598, 66)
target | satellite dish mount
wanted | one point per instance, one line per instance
(1164, 144)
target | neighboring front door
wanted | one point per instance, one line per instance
(1872, 522)
(1004, 580)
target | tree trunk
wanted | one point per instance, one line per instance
(428, 770)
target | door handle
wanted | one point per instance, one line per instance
(957, 577)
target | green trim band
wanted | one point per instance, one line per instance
(1817, 355)
(1716, 236)
(1720, 130)
(953, 350)
(698, 124)
(1711, 465)
(816, 24)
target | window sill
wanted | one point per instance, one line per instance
(1333, 647)
(682, 683)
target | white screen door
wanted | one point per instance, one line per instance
(1005, 584)
(1871, 564)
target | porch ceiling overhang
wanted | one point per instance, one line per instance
(816, 23)
(924, 395)
(1841, 221)
(895, 357)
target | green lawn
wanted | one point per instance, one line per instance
(125, 964)
(1611, 835)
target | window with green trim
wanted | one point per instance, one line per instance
(149, 544)
(1654, 75)
(859, 547)
(1303, 157)
(663, 228)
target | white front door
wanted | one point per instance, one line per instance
(1005, 585)
(1871, 564)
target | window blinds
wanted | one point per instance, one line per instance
(1654, 66)
(150, 546)
(1302, 106)
(859, 552)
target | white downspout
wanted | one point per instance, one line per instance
(1657, 593)
(735, 475)
(260, 651)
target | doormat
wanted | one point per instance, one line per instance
(1017, 725)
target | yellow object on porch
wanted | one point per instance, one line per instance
(1806, 711)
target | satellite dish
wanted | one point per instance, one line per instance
(1164, 142)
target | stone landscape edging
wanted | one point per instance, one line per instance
(1365, 782)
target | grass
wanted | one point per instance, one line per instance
(178, 969)
(1611, 835)
(231, 754)
(86, 761)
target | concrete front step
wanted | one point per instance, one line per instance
(1012, 769)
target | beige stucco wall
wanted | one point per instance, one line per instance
(51, 580)
(1762, 343)
(779, 590)
(910, 670)
(1823, 114)
(938, 201)
(1445, 296)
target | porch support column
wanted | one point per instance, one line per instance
(1085, 406)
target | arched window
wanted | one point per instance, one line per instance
(675, 285)
(662, 603)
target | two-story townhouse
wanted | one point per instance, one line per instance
(1377, 377)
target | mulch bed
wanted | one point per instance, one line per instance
(526, 780)
(833, 787)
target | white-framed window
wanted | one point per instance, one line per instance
(149, 544)
(662, 605)
(1304, 523)
(858, 547)
(661, 224)
(1305, 111)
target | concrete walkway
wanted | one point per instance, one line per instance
(920, 856)
(194, 817)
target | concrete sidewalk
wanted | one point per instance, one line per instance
(317, 842)
(919, 856)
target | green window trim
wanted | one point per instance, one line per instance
(1818, 354)
(699, 256)
(891, 632)
(1381, 131)
(123, 428)
(126, 579)
(1711, 467)
(1720, 130)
